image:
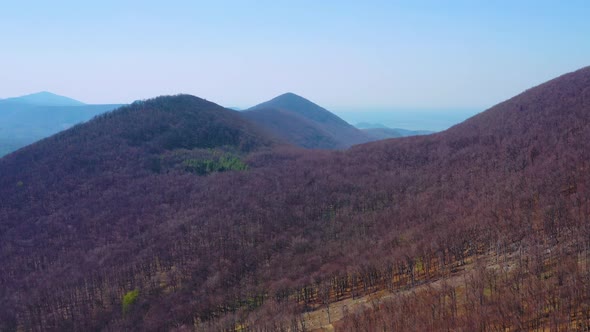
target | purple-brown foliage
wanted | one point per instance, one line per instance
(85, 217)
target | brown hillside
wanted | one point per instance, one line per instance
(90, 215)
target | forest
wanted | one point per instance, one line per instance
(175, 213)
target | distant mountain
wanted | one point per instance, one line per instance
(26, 119)
(303, 123)
(377, 131)
(381, 133)
(407, 132)
(366, 125)
(43, 98)
(9, 144)
(384, 133)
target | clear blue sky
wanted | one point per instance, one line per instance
(340, 54)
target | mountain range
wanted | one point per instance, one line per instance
(175, 213)
(289, 117)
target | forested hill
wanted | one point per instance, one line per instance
(157, 135)
(146, 220)
(303, 123)
(510, 188)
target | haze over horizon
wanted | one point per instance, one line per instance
(340, 55)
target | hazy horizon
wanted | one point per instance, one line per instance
(378, 54)
(432, 119)
(411, 119)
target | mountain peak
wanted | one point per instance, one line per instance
(289, 95)
(296, 104)
(304, 123)
(289, 101)
(45, 98)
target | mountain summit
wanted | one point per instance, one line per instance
(44, 98)
(297, 104)
(304, 123)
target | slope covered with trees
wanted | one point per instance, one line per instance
(105, 226)
(305, 124)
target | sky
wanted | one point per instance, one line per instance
(343, 55)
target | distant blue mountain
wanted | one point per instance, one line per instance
(378, 131)
(43, 98)
(367, 125)
(26, 119)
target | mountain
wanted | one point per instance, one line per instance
(303, 123)
(407, 132)
(381, 133)
(367, 125)
(377, 131)
(43, 98)
(24, 120)
(178, 214)
(384, 133)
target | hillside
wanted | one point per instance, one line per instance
(305, 124)
(79, 200)
(27, 119)
(106, 226)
